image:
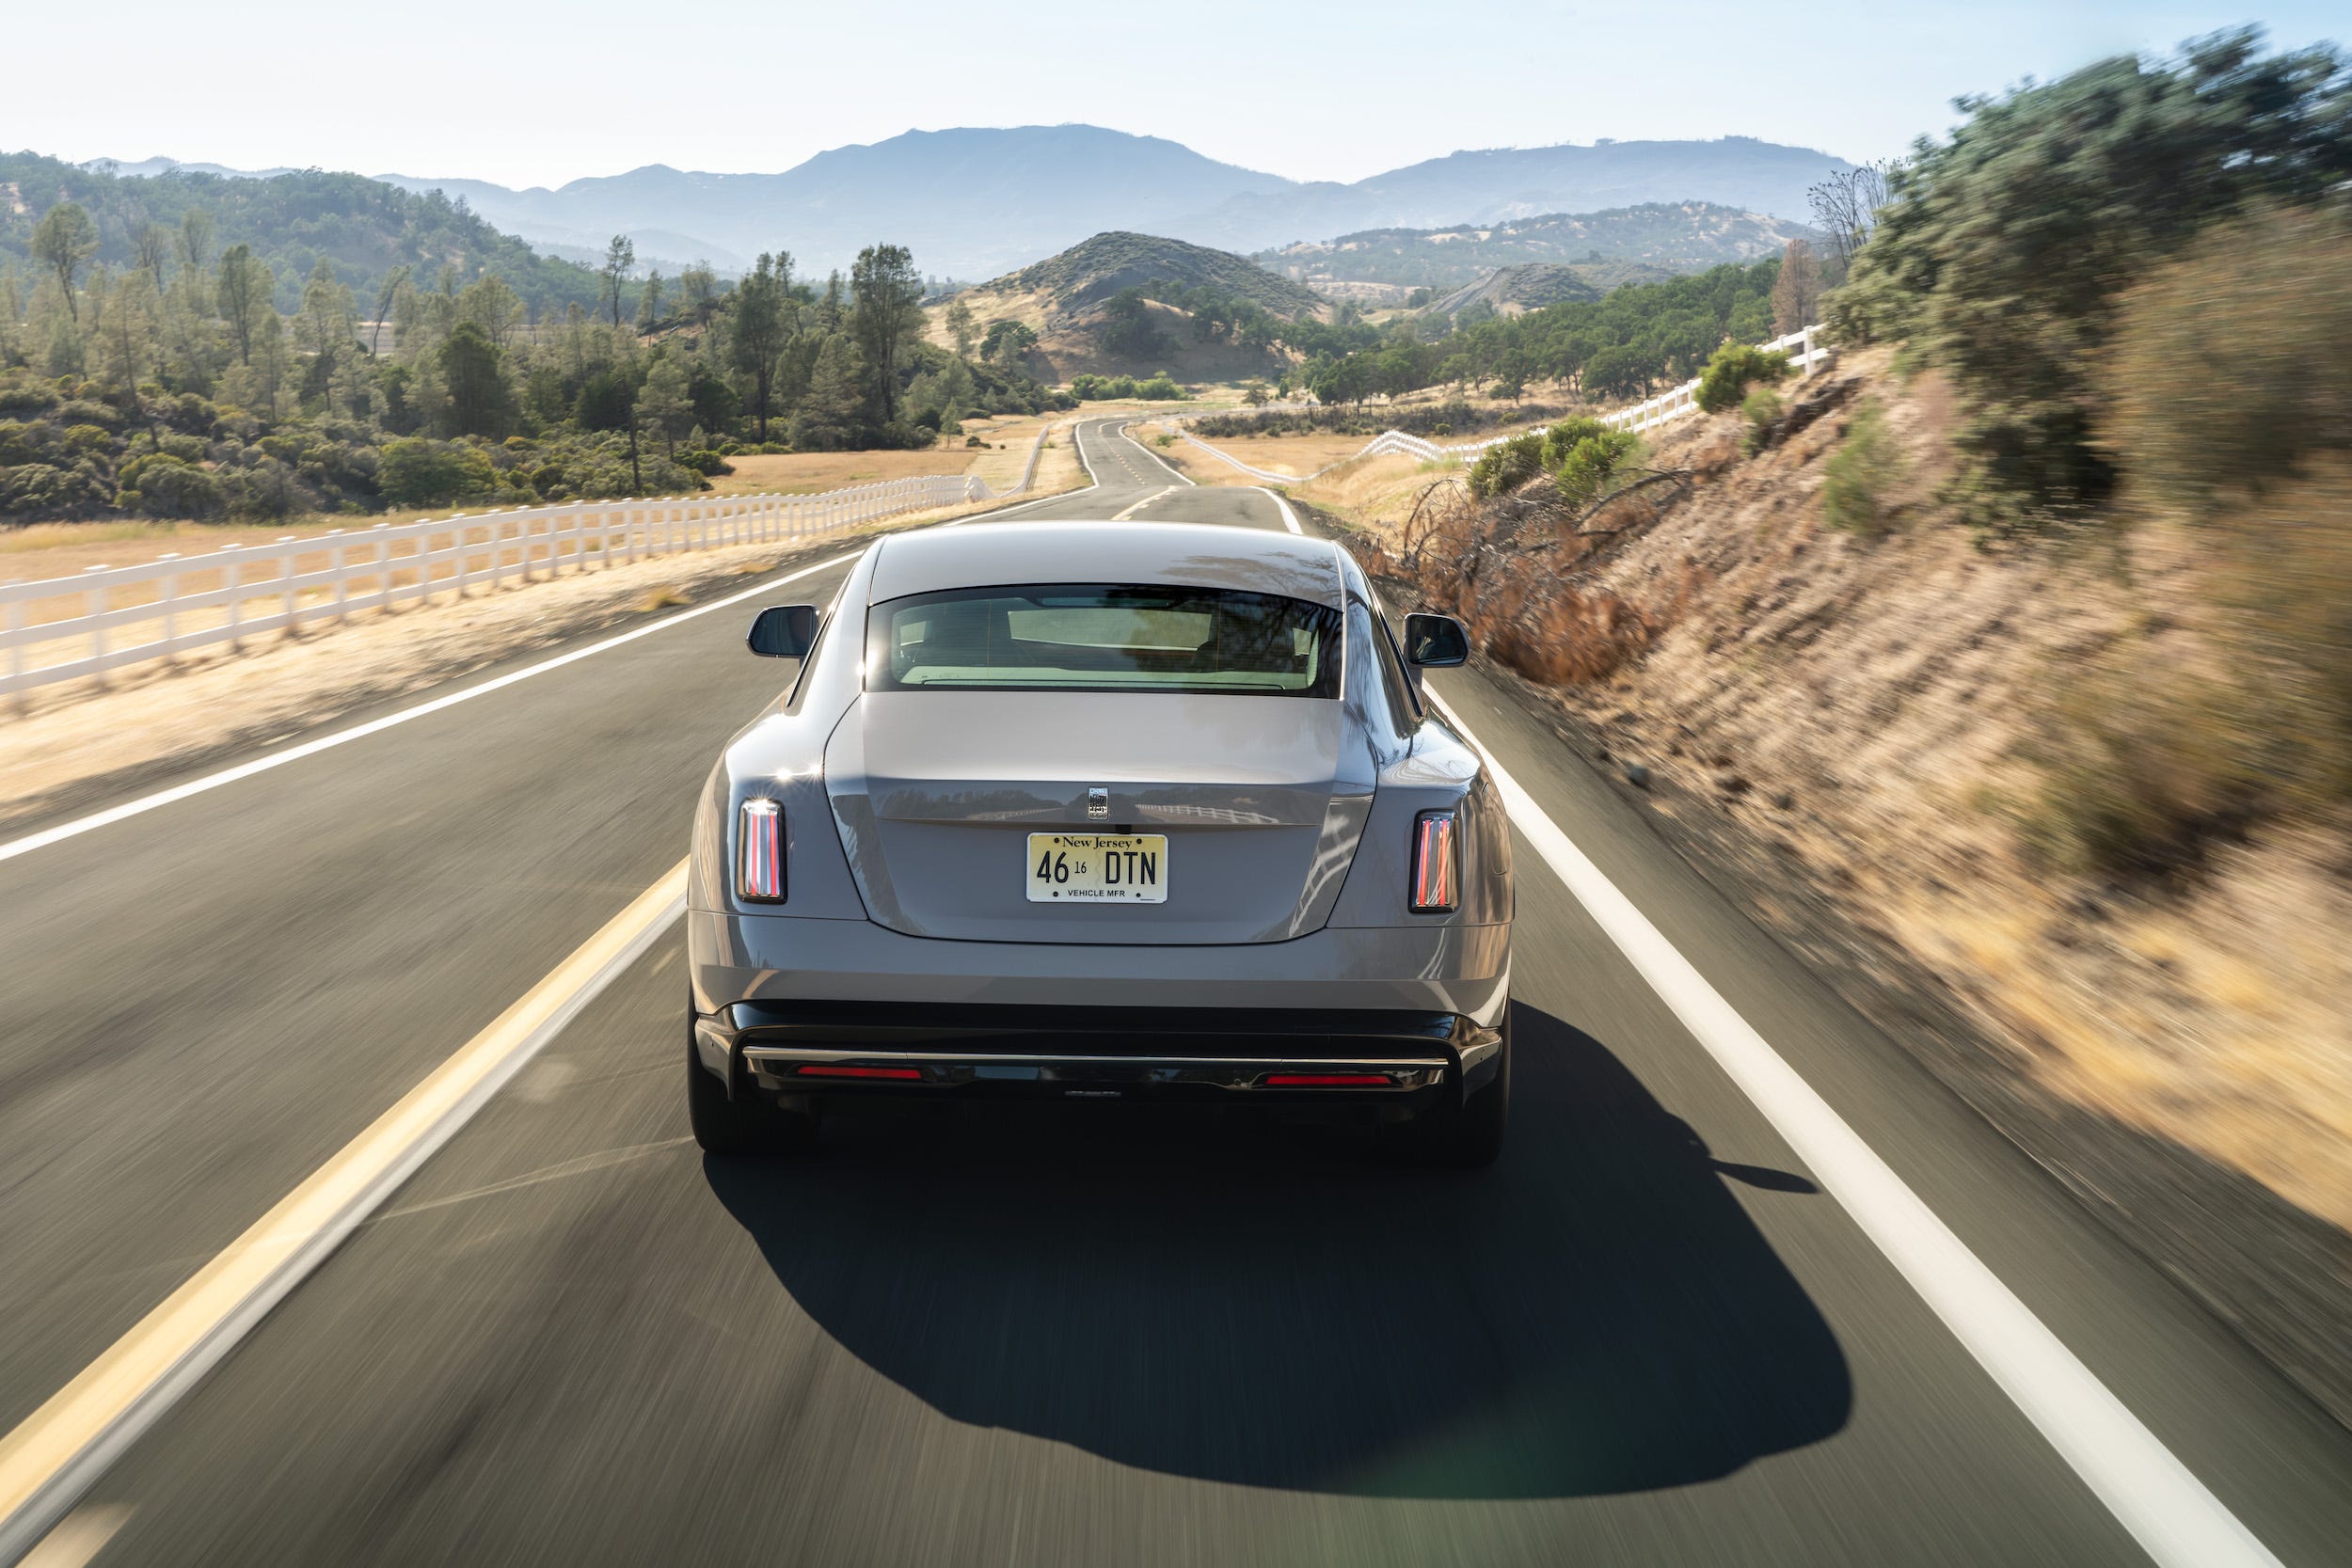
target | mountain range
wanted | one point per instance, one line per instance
(975, 203)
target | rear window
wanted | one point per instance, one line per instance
(1104, 637)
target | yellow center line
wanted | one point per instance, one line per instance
(61, 1448)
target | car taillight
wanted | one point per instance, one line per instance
(1437, 870)
(759, 852)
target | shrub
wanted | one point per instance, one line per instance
(1159, 388)
(82, 439)
(706, 462)
(417, 472)
(31, 490)
(1587, 467)
(1759, 408)
(162, 485)
(2228, 374)
(974, 441)
(1500, 469)
(1732, 369)
(1860, 478)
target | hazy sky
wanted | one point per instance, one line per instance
(538, 94)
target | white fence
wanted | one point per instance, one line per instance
(107, 617)
(1803, 352)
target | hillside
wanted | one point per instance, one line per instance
(1660, 237)
(1509, 290)
(364, 227)
(1079, 280)
(1211, 315)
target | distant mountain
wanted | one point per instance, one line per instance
(968, 202)
(1491, 187)
(978, 203)
(1661, 237)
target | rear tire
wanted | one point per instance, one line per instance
(747, 1126)
(1464, 1134)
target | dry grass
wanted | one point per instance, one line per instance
(808, 473)
(1865, 709)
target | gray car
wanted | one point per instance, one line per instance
(1089, 811)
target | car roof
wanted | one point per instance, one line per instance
(1191, 555)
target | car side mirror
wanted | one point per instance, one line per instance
(783, 631)
(1435, 641)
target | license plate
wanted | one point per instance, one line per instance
(1099, 868)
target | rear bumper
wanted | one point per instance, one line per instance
(1408, 1011)
(1429, 968)
(926, 1049)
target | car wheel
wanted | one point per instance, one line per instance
(747, 1126)
(1463, 1135)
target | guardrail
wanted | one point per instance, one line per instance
(1801, 348)
(117, 616)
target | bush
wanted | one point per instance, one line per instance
(1860, 478)
(162, 485)
(1732, 369)
(1586, 467)
(87, 439)
(1759, 408)
(1500, 469)
(2228, 375)
(417, 472)
(974, 441)
(34, 490)
(708, 464)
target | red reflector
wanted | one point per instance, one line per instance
(827, 1070)
(1327, 1080)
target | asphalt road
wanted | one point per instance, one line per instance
(1077, 1336)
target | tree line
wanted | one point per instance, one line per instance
(191, 379)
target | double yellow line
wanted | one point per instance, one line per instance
(57, 1452)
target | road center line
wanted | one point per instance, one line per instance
(1138, 506)
(63, 1447)
(2165, 1507)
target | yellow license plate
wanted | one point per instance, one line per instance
(1098, 868)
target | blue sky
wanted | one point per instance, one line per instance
(531, 94)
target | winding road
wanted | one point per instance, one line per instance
(1749, 1286)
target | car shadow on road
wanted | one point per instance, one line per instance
(1264, 1304)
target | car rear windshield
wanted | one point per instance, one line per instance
(1104, 637)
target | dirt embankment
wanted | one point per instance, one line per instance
(1841, 729)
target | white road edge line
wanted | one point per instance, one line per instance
(112, 815)
(57, 1454)
(2165, 1507)
(1290, 518)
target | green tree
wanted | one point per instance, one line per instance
(64, 239)
(665, 404)
(828, 414)
(491, 304)
(649, 304)
(962, 326)
(699, 287)
(886, 311)
(474, 377)
(760, 326)
(2005, 251)
(619, 256)
(242, 290)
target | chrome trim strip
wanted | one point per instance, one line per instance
(1317, 1064)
